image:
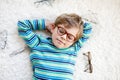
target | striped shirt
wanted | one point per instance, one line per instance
(48, 61)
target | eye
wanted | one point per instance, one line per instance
(71, 37)
(61, 31)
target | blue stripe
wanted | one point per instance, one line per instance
(34, 24)
(32, 38)
(35, 77)
(87, 25)
(53, 50)
(83, 39)
(24, 33)
(31, 41)
(21, 32)
(22, 24)
(32, 57)
(53, 58)
(43, 24)
(54, 69)
(29, 23)
(87, 31)
(39, 76)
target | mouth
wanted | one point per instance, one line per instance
(60, 42)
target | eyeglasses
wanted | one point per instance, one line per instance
(61, 31)
(3, 39)
(89, 65)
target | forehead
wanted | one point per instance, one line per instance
(70, 30)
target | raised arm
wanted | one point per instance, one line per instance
(26, 28)
(87, 28)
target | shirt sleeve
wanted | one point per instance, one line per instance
(87, 29)
(26, 28)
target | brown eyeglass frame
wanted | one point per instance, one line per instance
(90, 67)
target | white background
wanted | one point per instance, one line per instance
(104, 43)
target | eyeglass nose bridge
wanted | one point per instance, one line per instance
(64, 36)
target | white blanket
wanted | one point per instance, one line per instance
(104, 43)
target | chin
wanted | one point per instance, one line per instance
(58, 46)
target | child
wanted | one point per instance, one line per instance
(53, 58)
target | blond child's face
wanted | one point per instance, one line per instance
(63, 37)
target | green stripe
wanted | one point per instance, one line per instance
(81, 43)
(33, 43)
(86, 35)
(88, 26)
(55, 64)
(55, 55)
(27, 36)
(32, 22)
(51, 73)
(56, 49)
(39, 24)
(33, 78)
(23, 28)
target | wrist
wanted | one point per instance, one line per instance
(43, 24)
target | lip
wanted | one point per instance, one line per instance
(60, 42)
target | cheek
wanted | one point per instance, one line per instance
(54, 35)
(68, 44)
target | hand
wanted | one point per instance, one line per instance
(49, 26)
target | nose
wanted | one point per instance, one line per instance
(64, 37)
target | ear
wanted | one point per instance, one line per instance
(52, 28)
